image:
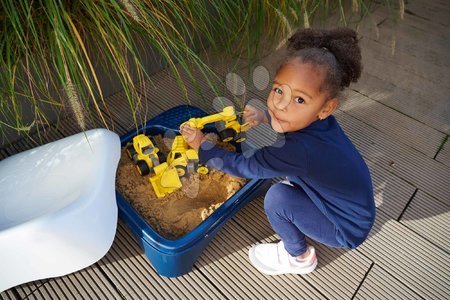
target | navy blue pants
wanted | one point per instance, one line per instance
(293, 216)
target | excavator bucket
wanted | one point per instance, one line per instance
(165, 181)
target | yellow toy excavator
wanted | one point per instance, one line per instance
(226, 123)
(181, 161)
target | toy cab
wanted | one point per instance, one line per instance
(145, 154)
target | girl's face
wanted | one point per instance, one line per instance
(296, 99)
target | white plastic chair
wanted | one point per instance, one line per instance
(58, 211)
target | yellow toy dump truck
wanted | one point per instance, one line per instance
(145, 154)
(181, 161)
(227, 125)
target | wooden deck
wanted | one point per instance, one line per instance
(397, 116)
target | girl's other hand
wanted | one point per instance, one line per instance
(253, 116)
(193, 136)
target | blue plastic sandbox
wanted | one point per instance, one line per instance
(173, 258)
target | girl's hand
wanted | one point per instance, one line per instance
(253, 116)
(193, 136)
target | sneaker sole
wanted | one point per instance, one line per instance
(255, 262)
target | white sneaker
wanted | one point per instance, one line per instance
(273, 259)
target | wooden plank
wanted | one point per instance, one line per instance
(209, 101)
(427, 44)
(69, 126)
(411, 19)
(430, 111)
(130, 271)
(225, 262)
(48, 135)
(374, 50)
(28, 289)
(20, 146)
(379, 285)
(443, 155)
(44, 136)
(339, 271)
(430, 218)
(393, 123)
(8, 295)
(109, 122)
(120, 109)
(3, 154)
(419, 85)
(435, 11)
(413, 26)
(163, 87)
(399, 159)
(88, 283)
(403, 253)
(391, 193)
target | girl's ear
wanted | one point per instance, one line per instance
(328, 108)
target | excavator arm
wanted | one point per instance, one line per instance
(226, 115)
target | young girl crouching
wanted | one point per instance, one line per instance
(328, 193)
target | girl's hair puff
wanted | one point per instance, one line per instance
(337, 50)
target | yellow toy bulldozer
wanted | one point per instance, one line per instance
(226, 122)
(180, 161)
(145, 154)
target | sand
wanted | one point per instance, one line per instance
(181, 211)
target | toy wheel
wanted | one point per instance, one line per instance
(227, 134)
(142, 167)
(181, 170)
(130, 151)
(202, 170)
(241, 137)
(162, 157)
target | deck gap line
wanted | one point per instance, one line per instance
(94, 282)
(362, 281)
(111, 282)
(441, 147)
(407, 205)
(394, 109)
(210, 282)
(429, 241)
(313, 287)
(407, 11)
(33, 290)
(382, 21)
(401, 281)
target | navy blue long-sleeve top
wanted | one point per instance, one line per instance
(323, 162)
